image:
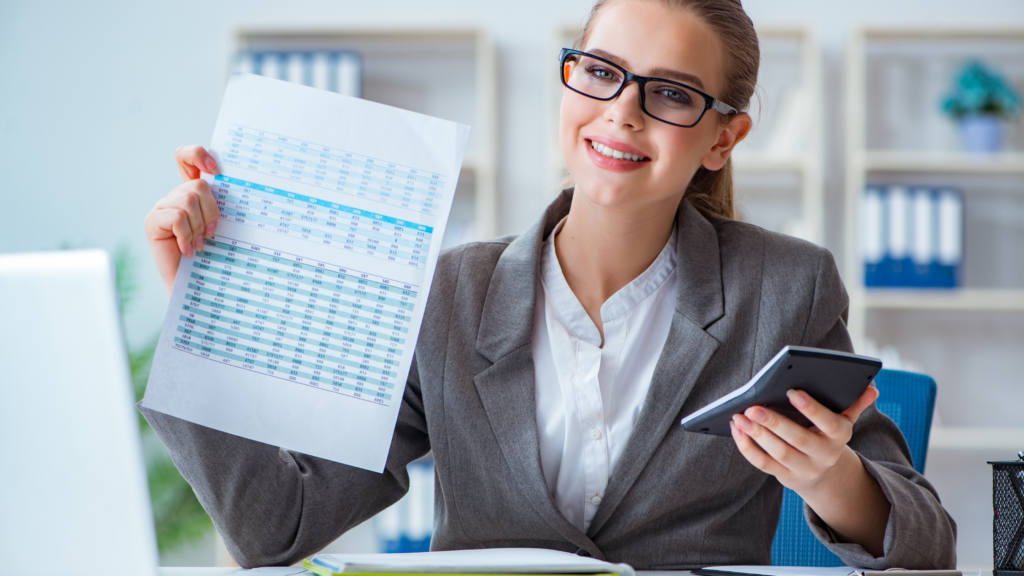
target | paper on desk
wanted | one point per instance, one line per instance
(490, 561)
(786, 570)
(296, 326)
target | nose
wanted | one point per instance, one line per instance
(625, 109)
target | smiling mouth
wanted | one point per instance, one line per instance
(617, 155)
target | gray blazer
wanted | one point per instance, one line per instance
(677, 500)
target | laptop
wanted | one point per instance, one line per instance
(73, 494)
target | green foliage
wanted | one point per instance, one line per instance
(980, 91)
(179, 517)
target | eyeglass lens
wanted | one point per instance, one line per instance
(662, 100)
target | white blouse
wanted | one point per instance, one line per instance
(589, 396)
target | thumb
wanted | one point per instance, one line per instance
(867, 398)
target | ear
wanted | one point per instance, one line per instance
(728, 137)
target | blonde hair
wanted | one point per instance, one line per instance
(711, 192)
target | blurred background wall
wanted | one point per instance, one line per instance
(96, 96)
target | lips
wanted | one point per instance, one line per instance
(615, 156)
(615, 149)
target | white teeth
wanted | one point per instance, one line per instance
(611, 153)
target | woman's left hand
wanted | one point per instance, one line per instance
(801, 458)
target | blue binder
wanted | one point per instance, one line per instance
(912, 237)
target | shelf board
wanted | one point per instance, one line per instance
(948, 162)
(967, 299)
(976, 438)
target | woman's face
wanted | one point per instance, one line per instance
(648, 39)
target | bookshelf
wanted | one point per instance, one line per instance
(968, 338)
(779, 168)
(449, 73)
(932, 159)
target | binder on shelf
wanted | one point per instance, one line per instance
(912, 236)
(874, 238)
(408, 524)
(339, 71)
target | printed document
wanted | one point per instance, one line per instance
(296, 325)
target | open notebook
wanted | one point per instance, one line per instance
(463, 562)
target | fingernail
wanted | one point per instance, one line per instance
(798, 399)
(209, 230)
(734, 430)
(189, 251)
(741, 422)
(211, 166)
(757, 414)
(199, 244)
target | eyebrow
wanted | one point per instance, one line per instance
(657, 72)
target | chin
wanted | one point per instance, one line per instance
(608, 194)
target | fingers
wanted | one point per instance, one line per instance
(754, 454)
(171, 224)
(788, 443)
(835, 426)
(192, 215)
(193, 160)
(797, 456)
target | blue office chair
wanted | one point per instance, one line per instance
(909, 400)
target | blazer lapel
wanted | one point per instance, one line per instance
(699, 303)
(507, 388)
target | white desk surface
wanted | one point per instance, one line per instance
(167, 571)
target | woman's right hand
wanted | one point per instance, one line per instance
(180, 221)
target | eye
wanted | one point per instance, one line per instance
(673, 95)
(602, 73)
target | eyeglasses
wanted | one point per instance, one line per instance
(666, 100)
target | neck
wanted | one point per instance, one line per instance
(601, 249)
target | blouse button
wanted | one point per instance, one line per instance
(596, 500)
(595, 433)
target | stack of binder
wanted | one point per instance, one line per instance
(912, 237)
(408, 524)
(339, 71)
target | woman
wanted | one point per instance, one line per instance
(552, 369)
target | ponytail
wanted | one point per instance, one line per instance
(711, 192)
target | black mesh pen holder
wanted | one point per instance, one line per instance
(1008, 517)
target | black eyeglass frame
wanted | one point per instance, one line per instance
(710, 102)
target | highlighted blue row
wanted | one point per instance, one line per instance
(324, 203)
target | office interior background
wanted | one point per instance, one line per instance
(96, 96)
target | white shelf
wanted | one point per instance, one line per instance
(946, 162)
(963, 299)
(976, 438)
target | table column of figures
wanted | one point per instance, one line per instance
(289, 317)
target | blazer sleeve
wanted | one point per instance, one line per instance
(919, 534)
(274, 506)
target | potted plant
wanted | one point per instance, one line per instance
(982, 102)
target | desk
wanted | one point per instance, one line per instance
(241, 572)
(167, 571)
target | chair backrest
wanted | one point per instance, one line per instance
(909, 400)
